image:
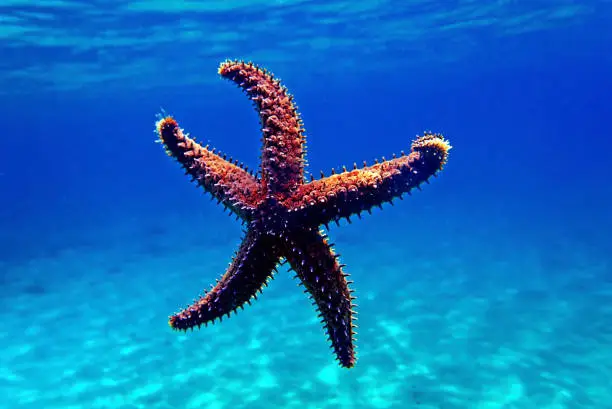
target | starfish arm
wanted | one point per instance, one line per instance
(250, 270)
(317, 267)
(351, 192)
(283, 138)
(229, 183)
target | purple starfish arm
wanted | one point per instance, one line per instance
(251, 269)
(317, 267)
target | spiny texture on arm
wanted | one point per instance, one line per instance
(226, 181)
(317, 267)
(283, 139)
(351, 192)
(248, 273)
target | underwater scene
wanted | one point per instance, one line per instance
(305, 204)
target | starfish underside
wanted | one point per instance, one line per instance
(283, 213)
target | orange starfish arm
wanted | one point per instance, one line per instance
(249, 272)
(283, 140)
(228, 182)
(317, 267)
(351, 192)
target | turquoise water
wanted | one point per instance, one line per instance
(490, 288)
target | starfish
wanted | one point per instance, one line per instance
(283, 213)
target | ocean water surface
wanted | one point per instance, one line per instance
(491, 288)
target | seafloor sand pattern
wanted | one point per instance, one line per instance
(454, 312)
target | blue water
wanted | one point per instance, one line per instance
(491, 288)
